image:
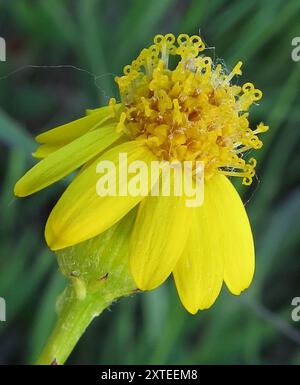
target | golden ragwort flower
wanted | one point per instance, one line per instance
(192, 112)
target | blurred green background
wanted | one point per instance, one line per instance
(80, 45)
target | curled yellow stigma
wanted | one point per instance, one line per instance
(192, 112)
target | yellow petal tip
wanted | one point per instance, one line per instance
(142, 284)
(191, 310)
(19, 190)
(53, 241)
(36, 155)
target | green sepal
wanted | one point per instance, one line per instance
(100, 264)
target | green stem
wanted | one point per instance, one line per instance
(73, 319)
(98, 272)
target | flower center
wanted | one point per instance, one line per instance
(192, 112)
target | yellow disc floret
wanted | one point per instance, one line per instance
(192, 112)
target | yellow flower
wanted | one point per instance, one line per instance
(192, 112)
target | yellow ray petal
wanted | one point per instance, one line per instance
(220, 245)
(239, 261)
(65, 160)
(198, 273)
(93, 110)
(122, 139)
(80, 213)
(45, 149)
(158, 239)
(67, 132)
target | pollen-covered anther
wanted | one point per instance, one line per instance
(192, 112)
